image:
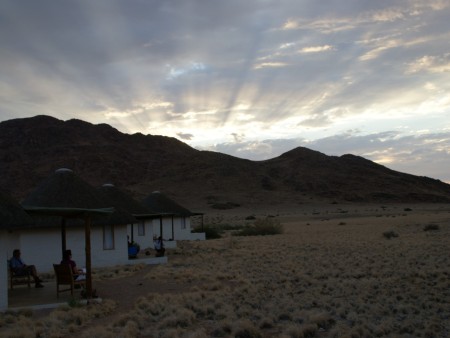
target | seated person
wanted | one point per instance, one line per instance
(78, 274)
(19, 268)
(159, 246)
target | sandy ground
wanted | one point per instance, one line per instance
(332, 273)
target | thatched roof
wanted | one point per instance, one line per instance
(64, 194)
(163, 204)
(120, 200)
(125, 207)
(64, 189)
(12, 214)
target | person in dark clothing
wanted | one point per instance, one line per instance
(67, 259)
(159, 246)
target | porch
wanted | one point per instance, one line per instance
(22, 297)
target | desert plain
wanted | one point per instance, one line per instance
(337, 270)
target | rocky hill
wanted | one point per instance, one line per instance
(32, 148)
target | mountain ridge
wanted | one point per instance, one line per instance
(32, 148)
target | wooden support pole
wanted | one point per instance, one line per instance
(87, 234)
(63, 237)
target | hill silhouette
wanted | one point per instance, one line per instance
(32, 148)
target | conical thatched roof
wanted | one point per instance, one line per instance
(125, 207)
(120, 199)
(12, 214)
(160, 203)
(64, 194)
(63, 189)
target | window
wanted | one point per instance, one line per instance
(108, 237)
(141, 228)
(183, 223)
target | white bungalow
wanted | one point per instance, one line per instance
(67, 213)
(173, 222)
(62, 195)
(41, 245)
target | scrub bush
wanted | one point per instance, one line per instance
(262, 227)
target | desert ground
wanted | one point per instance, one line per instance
(337, 270)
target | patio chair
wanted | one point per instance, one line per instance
(65, 276)
(16, 279)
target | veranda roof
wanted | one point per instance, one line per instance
(69, 212)
(125, 206)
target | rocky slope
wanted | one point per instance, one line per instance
(32, 148)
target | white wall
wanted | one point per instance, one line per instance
(42, 247)
(152, 228)
(118, 256)
(146, 240)
(13, 242)
(3, 271)
(169, 231)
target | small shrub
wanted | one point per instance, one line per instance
(210, 232)
(431, 227)
(230, 227)
(262, 227)
(390, 234)
(246, 329)
(74, 302)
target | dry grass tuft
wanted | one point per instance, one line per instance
(116, 272)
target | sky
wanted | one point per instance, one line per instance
(252, 79)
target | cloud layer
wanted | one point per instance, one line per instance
(249, 78)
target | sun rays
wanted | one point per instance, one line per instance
(203, 72)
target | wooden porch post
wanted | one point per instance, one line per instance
(63, 237)
(173, 232)
(87, 239)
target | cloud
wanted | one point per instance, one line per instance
(428, 63)
(270, 65)
(317, 120)
(185, 136)
(376, 52)
(236, 74)
(316, 49)
(193, 67)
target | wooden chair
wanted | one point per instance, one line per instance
(65, 276)
(21, 279)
